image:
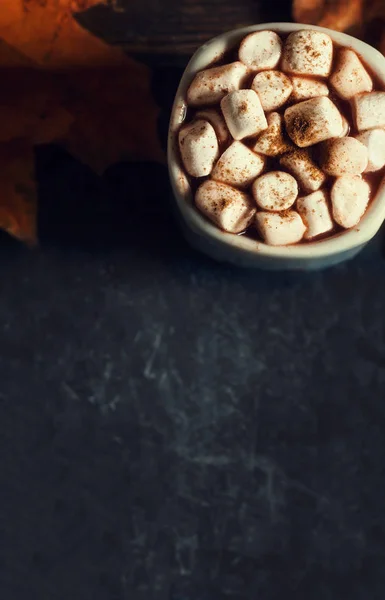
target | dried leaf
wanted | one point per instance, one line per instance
(11, 58)
(342, 15)
(65, 86)
(114, 117)
(46, 32)
(335, 14)
(308, 11)
(31, 106)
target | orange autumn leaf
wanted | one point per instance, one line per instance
(335, 14)
(127, 133)
(11, 58)
(343, 15)
(46, 32)
(31, 106)
(18, 195)
(308, 11)
(62, 84)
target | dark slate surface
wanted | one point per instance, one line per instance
(175, 429)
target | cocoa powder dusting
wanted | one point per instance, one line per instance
(299, 128)
(243, 107)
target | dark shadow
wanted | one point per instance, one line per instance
(129, 206)
(80, 209)
(164, 84)
(10, 246)
(128, 209)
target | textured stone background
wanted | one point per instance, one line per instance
(175, 429)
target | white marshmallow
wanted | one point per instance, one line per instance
(243, 114)
(305, 170)
(227, 207)
(238, 166)
(374, 140)
(315, 213)
(305, 88)
(275, 191)
(350, 76)
(313, 121)
(273, 89)
(369, 110)
(280, 229)
(350, 196)
(217, 121)
(261, 50)
(211, 85)
(343, 156)
(271, 141)
(199, 148)
(308, 52)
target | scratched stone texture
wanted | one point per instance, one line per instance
(175, 429)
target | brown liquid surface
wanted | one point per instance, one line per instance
(272, 163)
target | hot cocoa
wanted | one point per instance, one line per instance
(284, 138)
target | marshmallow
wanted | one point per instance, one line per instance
(238, 166)
(369, 110)
(350, 197)
(243, 114)
(273, 89)
(261, 50)
(344, 156)
(305, 170)
(350, 76)
(199, 148)
(228, 208)
(271, 141)
(275, 191)
(211, 85)
(217, 121)
(308, 52)
(315, 213)
(313, 121)
(280, 229)
(374, 140)
(305, 88)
